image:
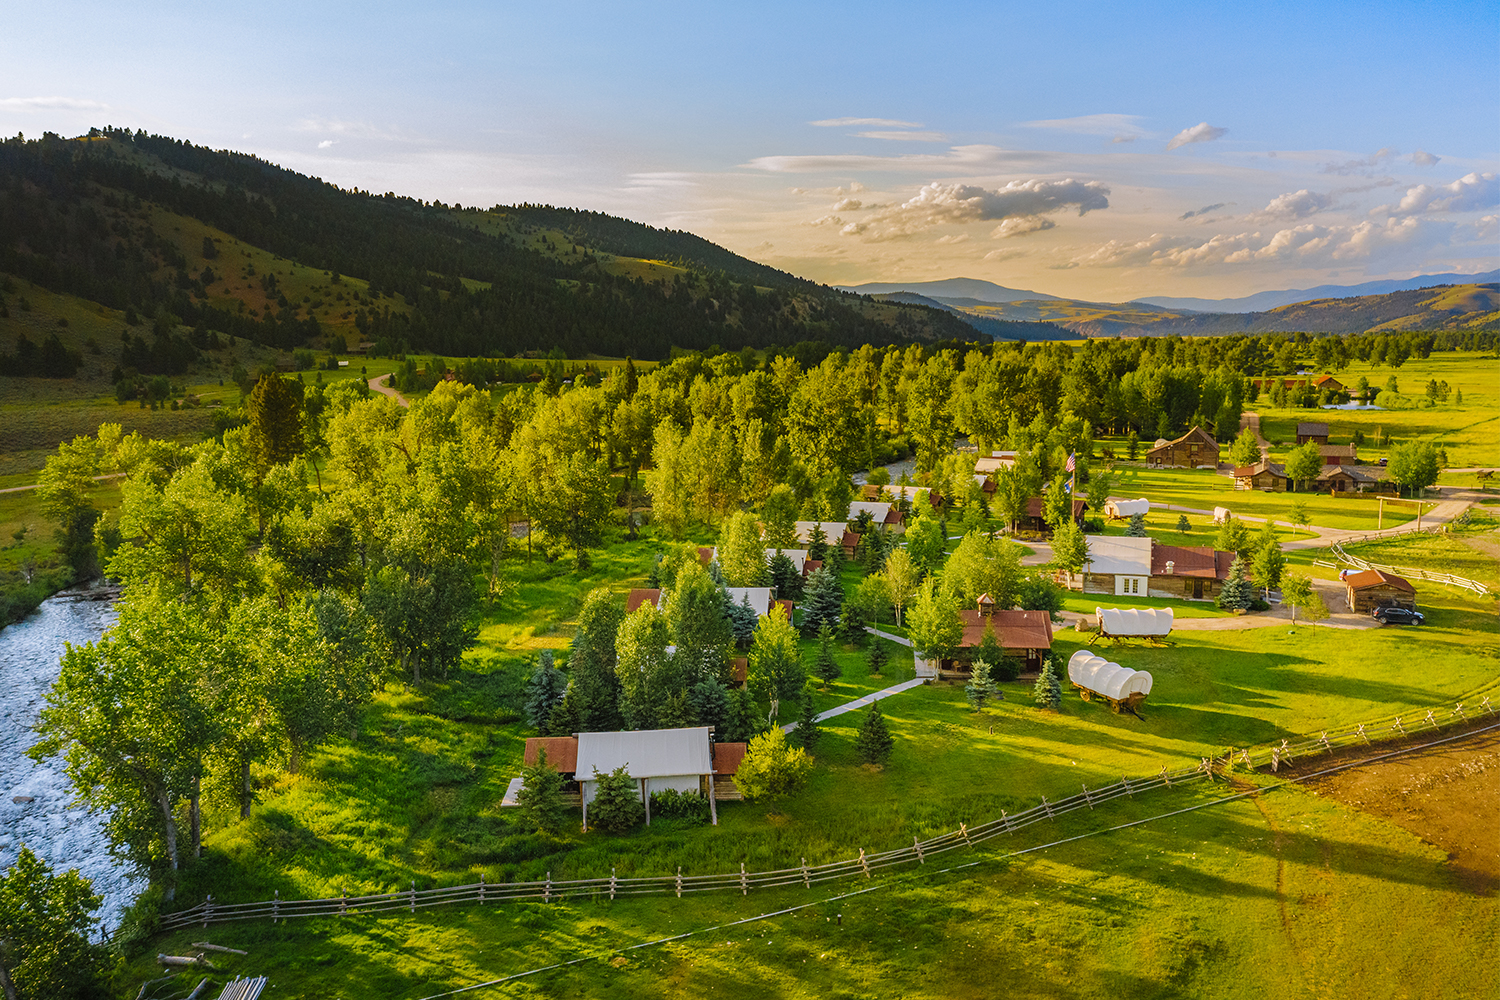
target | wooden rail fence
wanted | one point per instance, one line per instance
(1411, 571)
(920, 852)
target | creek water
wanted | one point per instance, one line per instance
(37, 807)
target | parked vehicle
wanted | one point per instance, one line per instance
(1397, 616)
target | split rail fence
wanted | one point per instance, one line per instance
(920, 852)
(1410, 571)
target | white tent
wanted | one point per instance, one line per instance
(1123, 622)
(1095, 674)
(797, 556)
(1125, 508)
(833, 531)
(658, 759)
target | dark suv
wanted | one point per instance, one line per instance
(1397, 616)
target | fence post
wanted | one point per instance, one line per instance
(679, 881)
(1165, 777)
(414, 895)
(1275, 760)
(917, 846)
(1458, 710)
(806, 875)
(208, 909)
(481, 888)
(547, 893)
(613, 882)
(863, 863)
(1431, 719)
(1086, 797)
(1005, 822)
(744, 881)
(275, 905)
(1486, 705)
(343, 902)
(1048, 806)
(1324, 737)
(1362, 733)
(1398, 726)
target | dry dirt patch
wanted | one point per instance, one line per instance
(1449, 796)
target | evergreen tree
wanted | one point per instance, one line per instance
(852, 622)
(874, 742)
(596, 687)
(1048, 690)
(544, 690)
(1236, 593)
(785, 578)
(821, 602)
(1137, 526)
(742, 620)
(741, 721)
(709, 701)
(563, 719)
(541, 795)
(617, 803)
(817, 543)
(1183, 524)
(981, 687)
(808, 732)
(878, 656)
(826, 667)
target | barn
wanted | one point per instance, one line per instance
(1373, 588)
(1193, 450)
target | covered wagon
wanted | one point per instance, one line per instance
(1096, 677)
(1117, 509)
(1134, 623)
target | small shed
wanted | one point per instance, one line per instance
(1312, 432)
(1096, 677)
(1373, 588)
(1117, 509)
(657, 759)
(1143, 623)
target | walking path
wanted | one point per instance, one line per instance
(1251, 420)
(382, 385)
(97, 479)
(864, 702)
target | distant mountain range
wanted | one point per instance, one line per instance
(954, 291)
(1261, 301)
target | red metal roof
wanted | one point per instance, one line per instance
(639, 596)
(562, 752)
(1375, 578)
(1013, 629)
(727, 757)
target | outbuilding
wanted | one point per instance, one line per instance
(1194, 450)
(1373, 588)
(658, 759)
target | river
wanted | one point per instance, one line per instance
(36, 800)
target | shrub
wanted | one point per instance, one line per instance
(540, 797)
(617, 803)
(808, 732)
(874, 742)
(771, 768)
(672, 804)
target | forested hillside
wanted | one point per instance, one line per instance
(135, 223)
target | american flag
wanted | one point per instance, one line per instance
(1072, 463)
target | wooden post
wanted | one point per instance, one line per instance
(679, 881)
(963, 829)
(275, 905)
(1165, 777)
(1086, 797)
(414, 895)
(917, 846)
(583, 798)
(481, 888)
(1048, 806)
(1005, 821)
(806, 875)
(646, 798)
(208, 909)
(343, 902)
(744, 881)
(613, 882)
(864, 863)
(547, 894)
(713, 805)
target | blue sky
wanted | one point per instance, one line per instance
(1097, 150)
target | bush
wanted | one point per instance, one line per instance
(771, 768)
(540, 797)
(672, 804)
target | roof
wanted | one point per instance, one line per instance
(1197, 432)
(785, 605)
(797, 556)
(1034, 507)
(642, 595)
(1134, 621)
(1013, 629)
(1358, 473)
(1119, 554)
(759, 598)
(1274, 468)
(1314, 429)
(562, 752)
(877, 511)
(727, 757)
(1194, 561)
(649, 753)
(831, 529)
(1324, 379)
(995, 463)
(811, 566)
(850, 539)
(1094, 672)
(706, 554)
(1375, 578)
(1338, 450)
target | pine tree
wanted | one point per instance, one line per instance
(1183, 524)
(742, 620)
(821, 602)
(709, 701)
(808, 732)
(1137, 526)
(541, 795)
(785, 578)
(981, 687)
(826, 667)
(564, 717)
(741, 721)
(544, 690)
(852, 623)
(1048, 690)
(879, 655)
(817, 543)
(617, 802)
(1236, 593)
(874, 742)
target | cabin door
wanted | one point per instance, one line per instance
(1198, 590)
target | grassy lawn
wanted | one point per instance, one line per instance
(1205, 490)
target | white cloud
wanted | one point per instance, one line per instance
(1021, 226)
(954, 238)
(1296, 205)
(1422, 158)
(1360, 166)
(1470, 193)
(874, 122)
(1486, 229)
(848, 205)
(50, 104)
(1123, 128)
(942, 204)
(904, 136)
(967, 158)
(1202, 132)
(347, 129)
(1304, 246)
(998, 255)
(666, 180)
(325, 144)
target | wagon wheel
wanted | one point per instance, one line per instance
(1085, 694)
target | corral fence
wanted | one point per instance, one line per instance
(1409, 571)
(921, 852)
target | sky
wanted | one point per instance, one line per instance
(1105, 151)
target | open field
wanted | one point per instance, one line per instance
(1205, 490)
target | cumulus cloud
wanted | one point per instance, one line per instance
(1306, 245)
(1201, 211)
(325, 144)
(1021, 226)
(1360, 166)
(50, 104)
(954, 238)
(1486, 229)
(1201, 132)
(1296, 205)
(1422, 158)
(1123, 128)
(872, 122)
(1470, 193)
(942, 204)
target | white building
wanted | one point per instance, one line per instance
(657, 759)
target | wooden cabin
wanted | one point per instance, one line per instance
(1033, 520)
(1312, 432)
(1263, 475)
(1194, 449)
(1373, 588)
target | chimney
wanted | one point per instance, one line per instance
(1171, 565)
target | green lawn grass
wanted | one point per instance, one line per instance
(1205, 490)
